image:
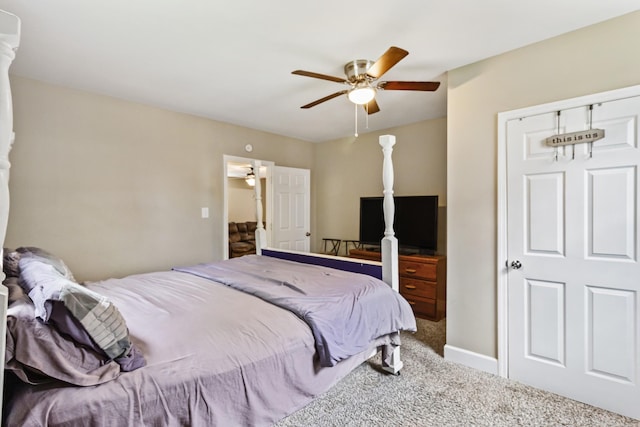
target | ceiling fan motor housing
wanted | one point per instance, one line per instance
(357, 70)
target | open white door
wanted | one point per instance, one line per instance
(573, 245)
(291, 211)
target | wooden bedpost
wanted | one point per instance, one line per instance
(9, 41)
(390, 357)
(261, 234)
(389, 242)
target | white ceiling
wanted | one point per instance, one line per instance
(232, 60)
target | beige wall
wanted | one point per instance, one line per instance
(595, 59)
(349, 168)
(115, 187)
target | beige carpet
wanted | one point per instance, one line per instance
(433, 392)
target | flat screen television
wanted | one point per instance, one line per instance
(415, 222)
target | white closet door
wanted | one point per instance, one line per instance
(573, 232)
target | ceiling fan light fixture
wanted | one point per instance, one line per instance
(361, 94)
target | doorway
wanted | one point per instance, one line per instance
(239, 196)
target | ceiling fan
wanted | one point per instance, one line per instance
(362, 78)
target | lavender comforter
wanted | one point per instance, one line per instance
(345, 311)
(215, 356)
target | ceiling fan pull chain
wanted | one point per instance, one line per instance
(367, 116)
(355, 106)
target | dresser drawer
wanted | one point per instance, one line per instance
(418, 269)
(423, 282)
(417, 287)
(422, 306)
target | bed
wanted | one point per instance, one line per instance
(244, 341)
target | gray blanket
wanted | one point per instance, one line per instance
(65, 302)
(345, 311)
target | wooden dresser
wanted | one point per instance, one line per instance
(422, 281)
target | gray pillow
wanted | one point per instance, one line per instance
(88, 318)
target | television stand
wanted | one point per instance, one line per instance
(423, 281)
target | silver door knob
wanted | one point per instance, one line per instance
(516, 265)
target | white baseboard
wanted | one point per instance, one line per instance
(471, 359)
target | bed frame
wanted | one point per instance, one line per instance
(387, 271)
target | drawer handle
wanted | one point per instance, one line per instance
(411, 270)
(411, 302)
(409, 286)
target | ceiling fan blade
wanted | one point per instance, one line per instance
(391, 57)
(319, 76)
(371, 107)
(424, 86)
(326, 98)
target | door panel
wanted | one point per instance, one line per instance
(610, 225)
(545, 213)
(545, 318)
(610, 333)
(572, 223)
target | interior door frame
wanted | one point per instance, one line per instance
(268, 197)
(502, 235)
